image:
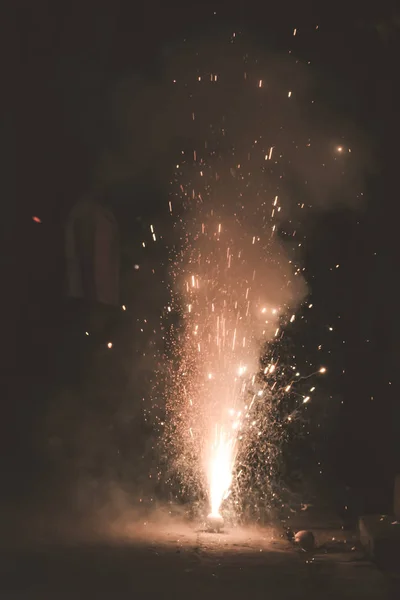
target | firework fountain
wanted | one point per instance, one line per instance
(235, 289)
(237, 279)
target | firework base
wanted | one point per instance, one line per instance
(214, 523)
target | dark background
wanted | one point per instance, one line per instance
(68, 58)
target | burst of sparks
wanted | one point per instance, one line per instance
(237, 291)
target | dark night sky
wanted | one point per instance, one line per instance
(72, 57)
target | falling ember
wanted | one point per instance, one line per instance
(36, 219)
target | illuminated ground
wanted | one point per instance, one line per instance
(178, 561)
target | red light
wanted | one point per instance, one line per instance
(36, 219)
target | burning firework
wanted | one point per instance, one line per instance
(236, 287)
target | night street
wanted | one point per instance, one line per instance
(200, 325)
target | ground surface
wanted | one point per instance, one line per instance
(178, 561)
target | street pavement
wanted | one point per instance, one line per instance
(177, 560)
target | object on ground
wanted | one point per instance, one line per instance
(215, 523)
(305, 540)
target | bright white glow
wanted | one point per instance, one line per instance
(220, 468)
